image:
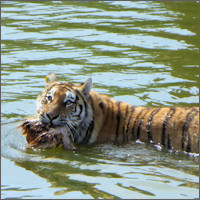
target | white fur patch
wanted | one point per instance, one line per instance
(69, 96)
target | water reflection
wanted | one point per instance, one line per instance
(106, 178)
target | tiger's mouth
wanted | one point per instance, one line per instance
(59, 123)
(70, 126)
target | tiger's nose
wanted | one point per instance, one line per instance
(52, 116)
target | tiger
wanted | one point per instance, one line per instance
(94, 118)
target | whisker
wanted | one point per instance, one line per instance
(73, 126)
(70, 131)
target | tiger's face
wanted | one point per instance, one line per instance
(64, 103)
(59, 104)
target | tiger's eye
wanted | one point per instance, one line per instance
(68, 103)
(49, 98)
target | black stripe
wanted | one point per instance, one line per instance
(118, 121)
(168, 116)
(186, 126)
(123, 129)
(88, 133)
(107, 114)
(131, 115)
(93, 110)
(133, 135)
(77, 98)
(85, 104)
(188, 147)
(168, 142)
(81, 109)
(138, 129)
(101, 105)
(149, 134)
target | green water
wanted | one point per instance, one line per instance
(144, 53)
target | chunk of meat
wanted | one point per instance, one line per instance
(40, 135)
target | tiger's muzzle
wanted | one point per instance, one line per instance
(50, 118)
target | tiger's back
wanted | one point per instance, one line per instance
(172, 127)
(92, 117)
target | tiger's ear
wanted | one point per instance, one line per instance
(86, 87)
(50, 78)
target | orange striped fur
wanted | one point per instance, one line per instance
(91, 117)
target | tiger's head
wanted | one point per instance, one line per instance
(65, 104)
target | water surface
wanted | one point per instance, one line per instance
(144, 53)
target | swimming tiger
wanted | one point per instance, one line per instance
(95, 118)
